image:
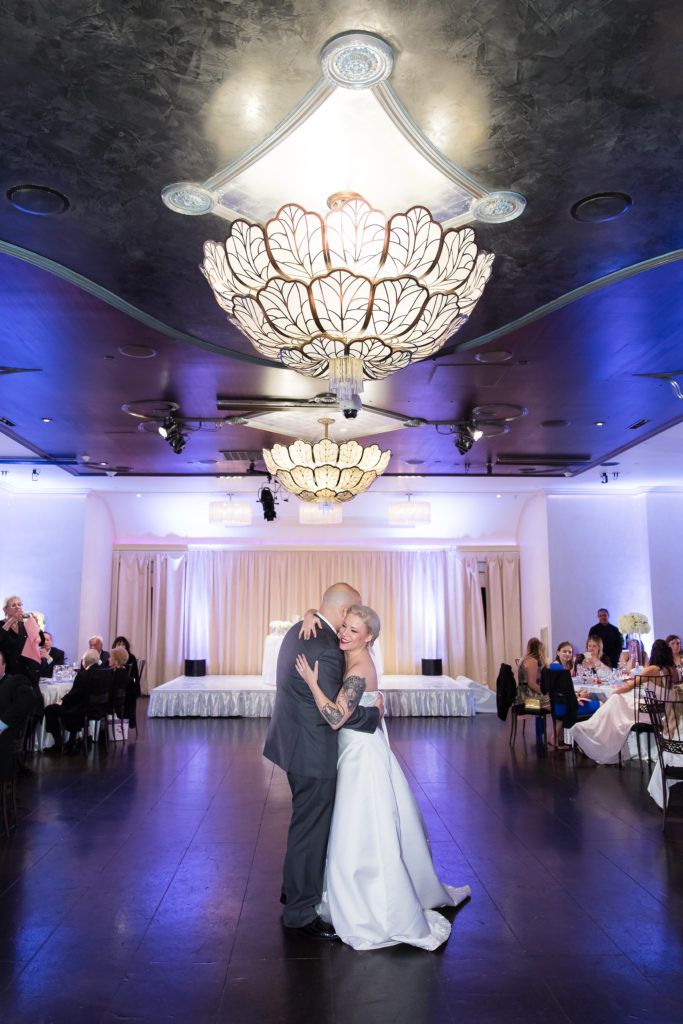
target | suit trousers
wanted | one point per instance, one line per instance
(309, 830)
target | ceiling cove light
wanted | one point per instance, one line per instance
(351, 294)
(350, 130)
(326, 471)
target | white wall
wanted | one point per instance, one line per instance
(98, 541)
(534, 567)
(41, 558)
(665, 526)
(599, 555)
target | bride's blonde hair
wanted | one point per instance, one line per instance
(369, 617)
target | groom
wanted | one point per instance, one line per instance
(302, 744)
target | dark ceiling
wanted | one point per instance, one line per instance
(107, 102)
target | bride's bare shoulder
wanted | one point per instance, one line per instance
(364, 669)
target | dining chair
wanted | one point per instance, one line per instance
(116, 730)
(10, 762)
(666, 718)
(642, 725)
(98, 704)
(564, 703)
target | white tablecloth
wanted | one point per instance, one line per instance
(271, 649)
(52, 692)
(655, 786)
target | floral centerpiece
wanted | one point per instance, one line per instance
(634, 622)
(633, 625)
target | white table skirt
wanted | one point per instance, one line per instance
(655, 788)
(52, 692)
(250, 697)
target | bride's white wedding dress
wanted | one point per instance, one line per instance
(380, 882)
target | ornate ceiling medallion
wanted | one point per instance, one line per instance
(326, 471)
(353, 296)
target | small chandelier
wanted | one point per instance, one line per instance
(409, 513)
(230, 513)
(326, 471)
(354, 296)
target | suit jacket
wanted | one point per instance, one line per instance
(47, 667)
(76, 698)
(299, 739)
(612, 641)
(104, 659)
(18, 700)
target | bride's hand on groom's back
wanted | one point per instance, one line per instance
(310, 625)
(308, 674)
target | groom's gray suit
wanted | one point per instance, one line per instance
(301, 742)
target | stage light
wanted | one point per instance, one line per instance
(466, 433)
(268, 504)
(171, 432)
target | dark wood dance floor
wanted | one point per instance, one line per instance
(143, 887)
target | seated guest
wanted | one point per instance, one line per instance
(564, 657)
(612, 640)
(120, 679)
(95, 644)
(594, 657)
(603, 736)
(674, 643)
(20, 640)
(133, 691)
(529, 674)
(68, 712)
(18, 701)
(49, 657)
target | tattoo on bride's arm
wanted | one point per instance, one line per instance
(352, 691)
(332, 713)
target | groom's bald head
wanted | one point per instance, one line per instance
(336, 600)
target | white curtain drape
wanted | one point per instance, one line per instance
(504, 634)
(216, 604)
(148, 607)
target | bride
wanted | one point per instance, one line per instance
(380, 883)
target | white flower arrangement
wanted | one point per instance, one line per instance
(634, 622)
(279, 627)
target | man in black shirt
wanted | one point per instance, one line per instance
(612, 640)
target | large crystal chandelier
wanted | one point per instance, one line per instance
(353, 296)
(326, 471)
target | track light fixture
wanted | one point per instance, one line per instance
(267, 500)
(171, 432)
(466, 433)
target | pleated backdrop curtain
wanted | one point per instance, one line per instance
(216, 604)
(504, 634)
(148, 607)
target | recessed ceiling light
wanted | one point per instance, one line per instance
(601, 206)
(137, 351)
(37, 199)
(46, 419)
(498, 411)
(138, 495)
(599, 423)
(499, 495)
(497, 356)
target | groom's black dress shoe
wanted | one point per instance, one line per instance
(315, 929)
